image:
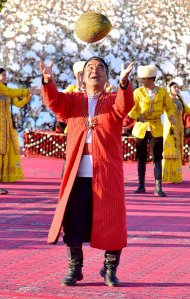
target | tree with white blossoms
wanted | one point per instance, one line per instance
(149, 31)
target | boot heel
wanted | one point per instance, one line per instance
(72, 278)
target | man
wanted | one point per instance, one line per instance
(61, 126)
(150, 103)
(91, 206)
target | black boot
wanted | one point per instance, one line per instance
(75, 263)
(158, 189)
(158, 179)
(141, 175)
(110, 267)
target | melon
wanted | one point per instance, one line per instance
(92, 27)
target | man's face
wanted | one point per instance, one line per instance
(95, 74)
(147, 82)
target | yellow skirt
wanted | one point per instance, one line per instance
(10, 165)
(172, 170)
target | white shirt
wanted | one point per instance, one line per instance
(86, 163)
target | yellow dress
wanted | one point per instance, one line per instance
(173, 145)
(10, 163)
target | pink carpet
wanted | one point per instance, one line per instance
(156, 263)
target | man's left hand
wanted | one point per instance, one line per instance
(125, 71)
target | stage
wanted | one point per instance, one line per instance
(154, 265)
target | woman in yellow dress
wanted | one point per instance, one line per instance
(10, 164)
(173, 139)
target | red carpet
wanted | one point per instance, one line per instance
(156, 263)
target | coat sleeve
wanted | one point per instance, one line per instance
(135, 111)
(59, 102)
(11, 92)
(169, 105)
(124, 101)
(20, 103)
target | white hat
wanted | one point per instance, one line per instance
(147, 71)
(78, 67)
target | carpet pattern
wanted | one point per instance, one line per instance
(155, 264)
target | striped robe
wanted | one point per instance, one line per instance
(109, 230)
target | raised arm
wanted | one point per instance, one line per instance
(17, 92)
(12, 92)
(124, 100)
(58, 102)
(20, 103)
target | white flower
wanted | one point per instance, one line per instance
(24, 28)
(37, 47)
(27, 69)
(31, 54)
(10, 44)
(49, 48)
(9, 34)
(21, 38)
(15, 67)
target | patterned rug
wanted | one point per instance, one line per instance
(155, 264)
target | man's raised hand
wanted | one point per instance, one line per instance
(125, 71)
(46, 71)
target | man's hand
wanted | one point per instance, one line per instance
(46, 71)
(125, 71)
(141, 118)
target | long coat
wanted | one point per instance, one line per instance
(152, 111)
(109, 213)
(6, 126)
(173, 144)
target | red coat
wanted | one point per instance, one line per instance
(186, 120)
(109, 213)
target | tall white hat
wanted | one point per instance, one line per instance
(147, 71)
(78, 67)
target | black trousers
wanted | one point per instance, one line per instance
(156, 147)
(77, 220)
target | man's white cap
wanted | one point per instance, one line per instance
(147, 71)
(78, 67)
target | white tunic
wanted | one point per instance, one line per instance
(86, 163)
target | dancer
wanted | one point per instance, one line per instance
(150, 102)
(91, 206)
(174, 138)
(10, 165)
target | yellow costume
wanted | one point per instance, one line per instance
(173, 145)
(151, 110)
(10, 164)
